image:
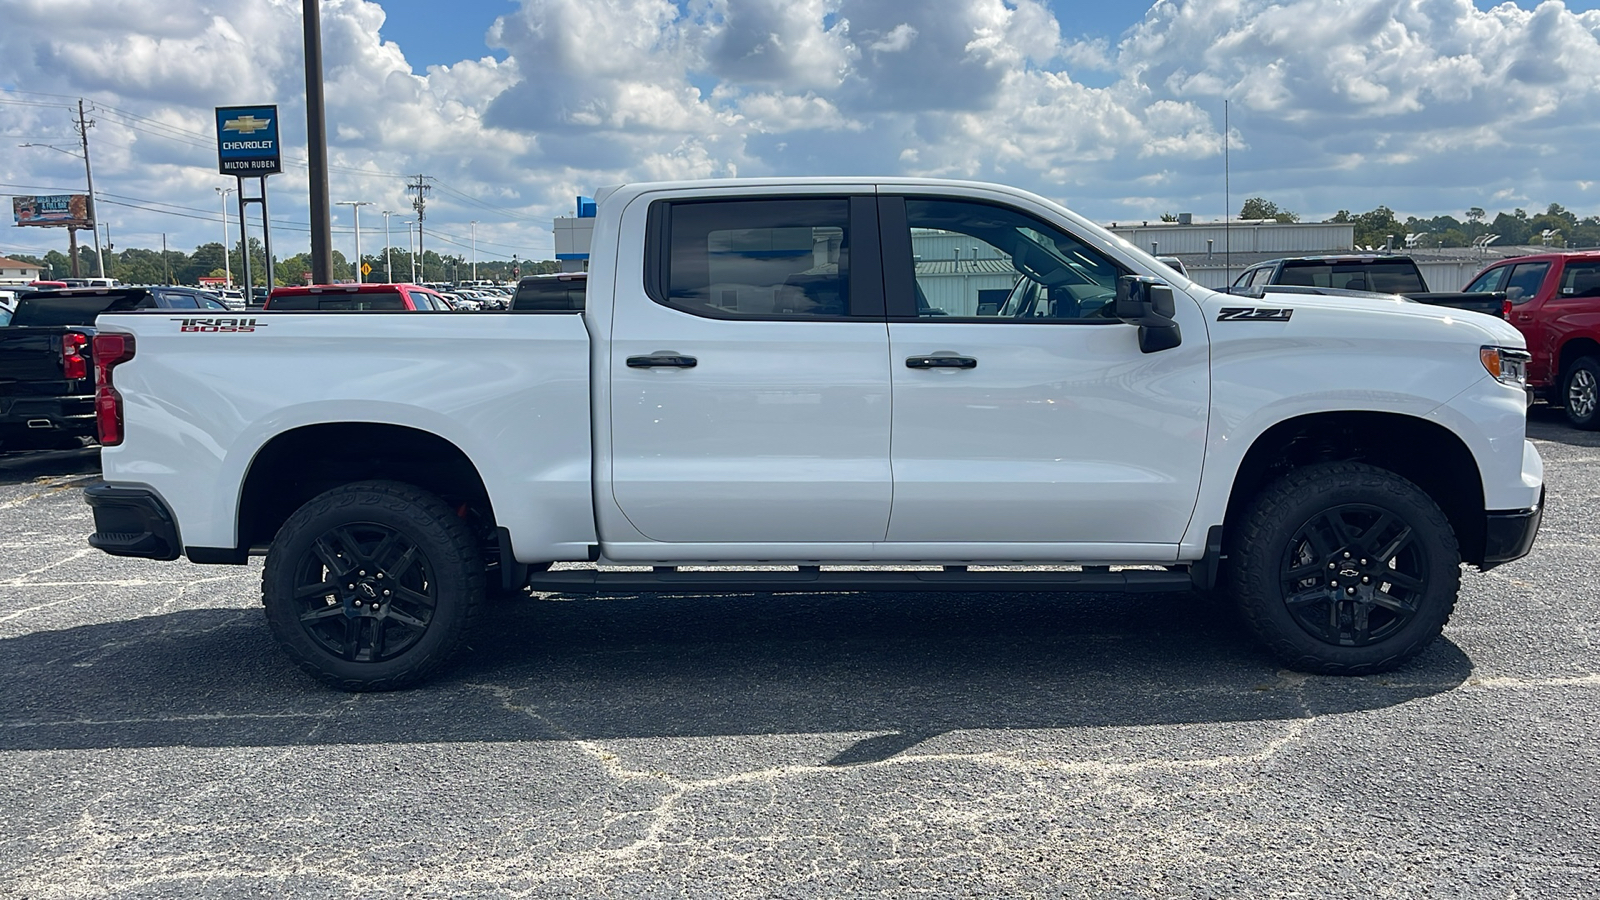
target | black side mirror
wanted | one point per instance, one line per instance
(1148, 303)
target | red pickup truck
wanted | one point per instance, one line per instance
(1554, 300)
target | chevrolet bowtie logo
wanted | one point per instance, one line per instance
(246, 124)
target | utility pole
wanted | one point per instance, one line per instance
(420, 203)
(109, 245)
(227, 261)
(166, 271)
(388, 267)
(88, 174)
(411, 248)
(317, 149)
(474, 225)
(356, 205)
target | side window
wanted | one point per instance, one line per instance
(1581, 279)
(1260, 277)
(1524, 282)
(776, 258)
(1489, 281)
(977, 261)
(178, 300)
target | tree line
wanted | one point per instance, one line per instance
(141, 266)
(1557, 226)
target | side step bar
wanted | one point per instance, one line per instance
(811, 579)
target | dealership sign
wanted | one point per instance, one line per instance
(247, 141)
(54, 209)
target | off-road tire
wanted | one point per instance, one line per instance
(1580, 393)
(1274, 538)
(446, 566)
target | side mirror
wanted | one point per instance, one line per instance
(1149, 304)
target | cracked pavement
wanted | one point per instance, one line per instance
(153, 742)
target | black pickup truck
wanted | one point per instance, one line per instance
(47, 359)
(1361, 273)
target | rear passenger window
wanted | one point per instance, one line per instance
(179, 300)
(777, 258)
(1581, 279)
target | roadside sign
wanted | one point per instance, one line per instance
(247, 141)
(366, 268)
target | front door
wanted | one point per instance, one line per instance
(1023, 413)
(749, 374)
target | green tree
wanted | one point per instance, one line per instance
(1262, 208)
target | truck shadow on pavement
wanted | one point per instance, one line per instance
(899, 667)
(1549, 423)
(18, 466)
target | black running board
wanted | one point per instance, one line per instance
(811, 579)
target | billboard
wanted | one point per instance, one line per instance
(52, 209)
(247, 141)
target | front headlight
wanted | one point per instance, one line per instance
(1508, 366)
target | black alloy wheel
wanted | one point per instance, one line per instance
(1343, 568)
(365, 592)
(1354, 575)
(372, 585)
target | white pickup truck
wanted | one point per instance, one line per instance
(828, 385)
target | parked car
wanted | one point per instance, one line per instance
(348, 297)
(47, 361)
(1380, 274)
(1554, 300)
(755, 384)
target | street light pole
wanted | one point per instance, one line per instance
(356, 206)
(317, 146)
(388, 269)
(227, 261)
(474, 225)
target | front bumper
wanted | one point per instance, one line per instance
(132, 521)
(1509, 534)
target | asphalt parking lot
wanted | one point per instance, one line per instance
(153, 743)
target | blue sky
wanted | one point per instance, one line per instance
(435, 33)
(1113, 108)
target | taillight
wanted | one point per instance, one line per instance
(109, 350)
(1505, 310)
(73, 365)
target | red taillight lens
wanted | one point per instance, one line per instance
(109, 350)
(1505, 310)
(73, 364)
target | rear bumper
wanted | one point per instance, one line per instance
(132, 521)
(70, 415)
(1509, 533)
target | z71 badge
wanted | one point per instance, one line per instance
(218, 326)
(1253, 314)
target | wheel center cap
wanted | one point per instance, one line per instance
(365, 589)
(1348, 572)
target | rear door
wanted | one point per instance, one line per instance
(1024, 413)
(749, 372)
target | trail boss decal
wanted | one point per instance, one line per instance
(217, 326)
(1253, 314)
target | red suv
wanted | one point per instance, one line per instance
(1554, 300)
(355, 296)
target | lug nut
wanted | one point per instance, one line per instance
(351, 586)
(1349, 590)
(364, 571)
(1364, 580)
(1333, 565)
(386, 593)
(380, 574)
(1347, 554)
(1333, 584)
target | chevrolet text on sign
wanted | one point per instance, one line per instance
(247, 140)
